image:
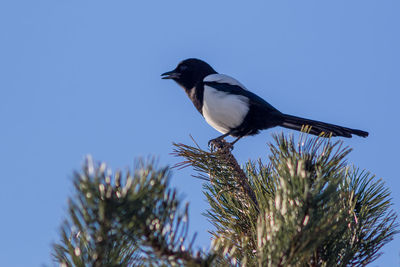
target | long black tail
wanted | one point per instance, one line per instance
(318, 127)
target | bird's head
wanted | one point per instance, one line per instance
(189, 72)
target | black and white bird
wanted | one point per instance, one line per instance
(233, 110)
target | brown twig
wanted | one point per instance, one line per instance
(163, 250)
(225, 152)
(196, 156)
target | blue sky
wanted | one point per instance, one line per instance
(83, 77)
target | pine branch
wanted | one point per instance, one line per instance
(311, 209)
(199, 158)
(305, 207)
(125, 220)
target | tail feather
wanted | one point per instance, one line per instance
(318, 127)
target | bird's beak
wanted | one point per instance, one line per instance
(171, 75)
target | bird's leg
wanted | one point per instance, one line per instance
(216, 142)
(237, 139)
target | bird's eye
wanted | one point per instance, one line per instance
(182, 67)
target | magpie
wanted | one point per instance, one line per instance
(233, 110)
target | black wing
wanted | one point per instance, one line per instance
(238, 90)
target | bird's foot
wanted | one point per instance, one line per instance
(219, 144)
(213, 144)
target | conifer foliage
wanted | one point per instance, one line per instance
(130, 219)
(304, 206)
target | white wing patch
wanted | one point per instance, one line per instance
(222, 78)
(223, 111)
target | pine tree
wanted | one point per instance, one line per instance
(305, 206)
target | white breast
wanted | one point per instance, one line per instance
(224, 111)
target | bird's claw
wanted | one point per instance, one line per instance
(214, 144)
(219, 144)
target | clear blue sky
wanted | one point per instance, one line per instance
(79, 77)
